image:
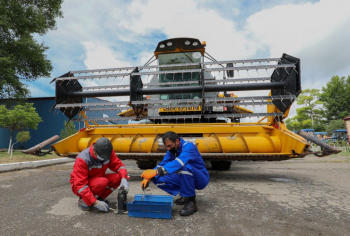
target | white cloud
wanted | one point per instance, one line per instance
(316, 33)
(117, 27)
(117, 34)
(298, 26)
(99, 56)
(184, 19)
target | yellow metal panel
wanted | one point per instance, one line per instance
(227, 138)
(83, 143)
(291, 143)
(70, 144)
(179, 49)
(143, 145)
(122, 144)
(130, 112)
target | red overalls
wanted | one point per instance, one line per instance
(88, 178)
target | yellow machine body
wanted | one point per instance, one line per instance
(181, 70)
(214, 141)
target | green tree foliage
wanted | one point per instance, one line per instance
(68, 129)
(336, 98)
(320, 127)
(335, 124)
(310, 114)
(22, 58)
(21, 117)
(21, 137)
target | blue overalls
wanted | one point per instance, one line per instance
(186, 171)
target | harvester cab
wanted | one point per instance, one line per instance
(180, 62)
(208, 102)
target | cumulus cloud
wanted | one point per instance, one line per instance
(99, 56)
(185, 19)
(317, 33)
(116, 34)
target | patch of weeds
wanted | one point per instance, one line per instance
(18, 156)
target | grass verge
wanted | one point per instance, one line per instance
(18, 156)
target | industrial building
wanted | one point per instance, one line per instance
(52, 124)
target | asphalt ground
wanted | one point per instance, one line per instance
(307, 196)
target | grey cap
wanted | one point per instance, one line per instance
(103, 147)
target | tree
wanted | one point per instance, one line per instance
(320, 127)
(68, 129)
(336, 98)
(309, 98)
(335, 124)
(310, 114)
(21, 117)
(21, 137)
(22, 58)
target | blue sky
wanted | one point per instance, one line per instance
(109, 34)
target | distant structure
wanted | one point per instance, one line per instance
(52, 123)
(347, 127)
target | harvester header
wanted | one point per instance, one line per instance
(183, 77)
(208, 102)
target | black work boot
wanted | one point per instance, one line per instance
(190, 206)
(83, 206)
(180, 201)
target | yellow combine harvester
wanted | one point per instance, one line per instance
(193, 98)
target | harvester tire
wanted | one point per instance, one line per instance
(146, 164)
(221, 165)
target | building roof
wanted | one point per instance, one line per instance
(346, 118)
(48, 98)
(41, 98)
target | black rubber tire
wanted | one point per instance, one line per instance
(221, 165)
(146, 164)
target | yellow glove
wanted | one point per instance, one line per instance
(149, 174)
(144, 184)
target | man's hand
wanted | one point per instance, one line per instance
(124, 184)
(144, 184)
(149, 174)
(102, 206)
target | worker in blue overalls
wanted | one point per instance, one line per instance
(181, 171)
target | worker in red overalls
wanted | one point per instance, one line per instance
(89, 179)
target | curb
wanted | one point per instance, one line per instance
(33, 164)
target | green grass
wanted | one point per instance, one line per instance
(347, 154)
(18, 156)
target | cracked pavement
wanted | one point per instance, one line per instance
(307, 196)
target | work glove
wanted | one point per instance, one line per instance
(102, 206)
(124, 184)
(144, 184)
(149, 174)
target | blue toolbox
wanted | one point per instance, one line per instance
(151, 206)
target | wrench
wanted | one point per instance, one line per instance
(144, 194)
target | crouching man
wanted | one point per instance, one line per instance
(89, 179)
(181, 171)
